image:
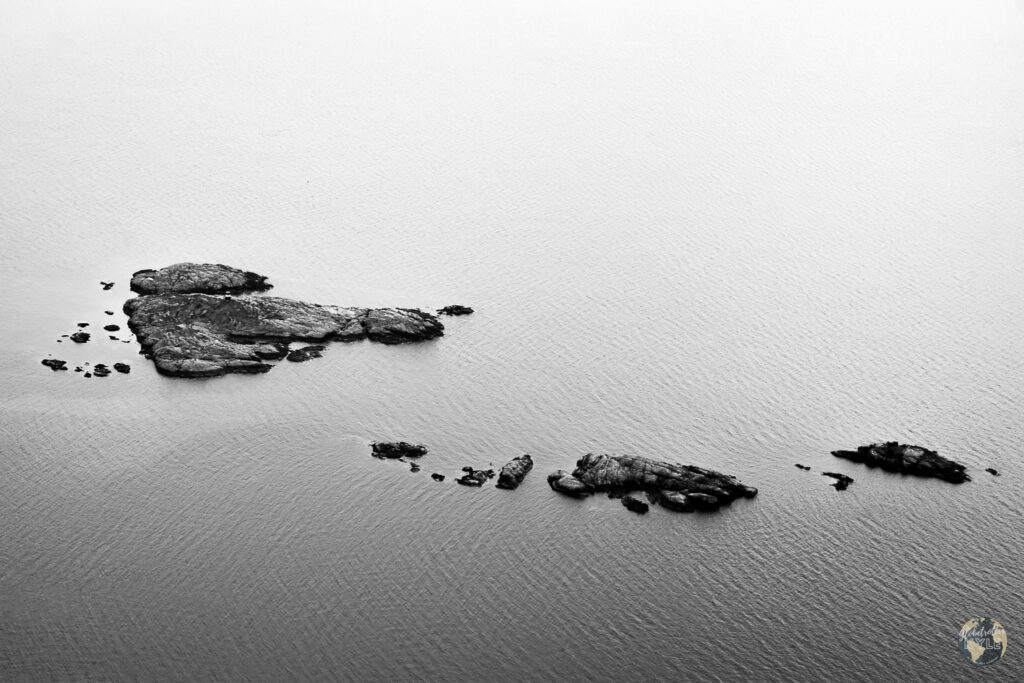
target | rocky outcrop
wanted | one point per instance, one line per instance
(564, 482)
(398, 449)
(55, 364)
(895, 457)
(123, 368)
(100, 370)
(473, 477)
(455, 309)
(842, 481)
(201, 335)
(306, 353)
(112, 328)
(513, 473)
(80, 337)
(437, 477)
(682, 487)
(205, 278)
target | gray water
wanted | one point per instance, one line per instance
(732, 233)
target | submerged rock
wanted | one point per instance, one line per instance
(206, 278)
(437, 477)
(306, 353)
(635, 505)
(895, 457)
(802, 467)
(398, 449)
(513, 473)
(80, 337)
(991, 470)
(679, 486)
(201, 335)
(455, 309)
(55, 364)
(842, 481)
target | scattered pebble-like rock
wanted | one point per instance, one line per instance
(437, 477)
(112, 328)
(993, 471)
(802, 467)
(100, 370)
(55, 364)
(474, 477)
(106, 285)
(123, 368)
(80, 337)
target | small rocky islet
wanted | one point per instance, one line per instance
(683, 488)
(190, 324)
(893, 456)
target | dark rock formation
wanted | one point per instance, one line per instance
(635, 505)
(437, 477)
(413, 467)
(78, 369)
(398, 449)
(802, 467)
(83, 324)
(206, 278)
(678, 487)
(513, 473)
(306, 353)
(271, 351)
(106, 285)
(55, 364)
(455, 309)
(896, 457)
(474, 477)
(842, 480)
(123, 368)
(88, 374)
(991, 470)
(109, 312)
(111, 328)
(100, 370)
(199, 335)
(80, 337)
(564, 482)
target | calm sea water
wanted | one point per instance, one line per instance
(734, 234)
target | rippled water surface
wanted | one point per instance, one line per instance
(734, 234)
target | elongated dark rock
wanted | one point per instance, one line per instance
(306, 353)
(455, 309)
(690, 487)
(55, 364)
(917, 460)
(195, 278)
(842, 481)
(513, 473)
(201, 335)
(397, 449)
